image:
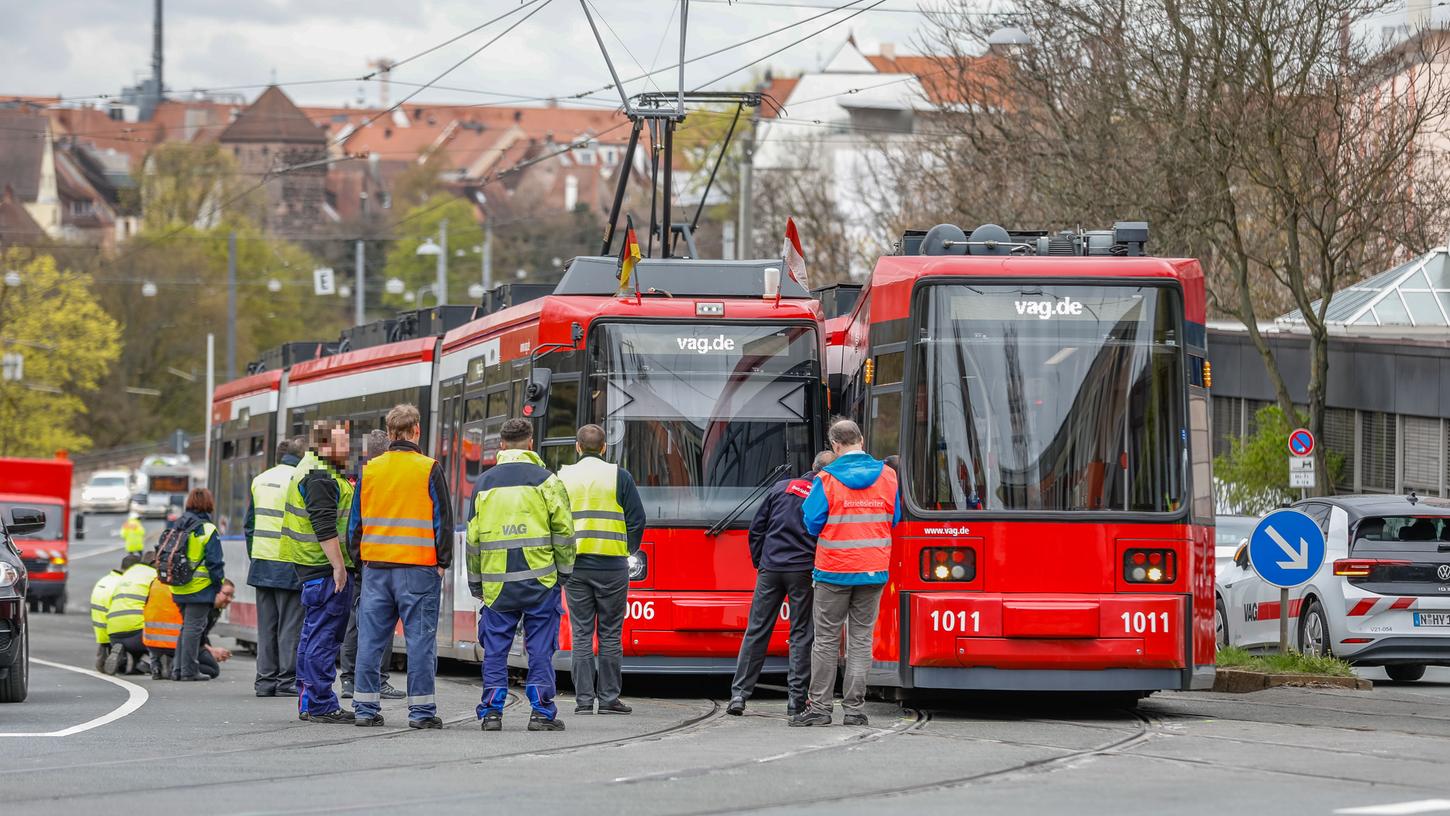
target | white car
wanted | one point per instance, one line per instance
(1382, 597)
(107, 491)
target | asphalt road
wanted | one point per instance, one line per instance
(84, 744)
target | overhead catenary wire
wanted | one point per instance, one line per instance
(792, 44)
(538, 5)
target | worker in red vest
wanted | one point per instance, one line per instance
(852, 506)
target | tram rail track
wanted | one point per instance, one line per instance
(715, 712)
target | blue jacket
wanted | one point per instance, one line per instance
(855, 470)
(779, 541)
(269, 574)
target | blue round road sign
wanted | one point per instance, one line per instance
(1301, 442)
(1287, 548)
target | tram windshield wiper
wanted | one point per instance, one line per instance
(769, 480)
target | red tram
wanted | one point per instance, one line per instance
(1046, 395)
(708, 390)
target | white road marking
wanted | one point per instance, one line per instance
(106, 551)
(137, 698)
(1401, 808)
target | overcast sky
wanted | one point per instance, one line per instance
(88, 47)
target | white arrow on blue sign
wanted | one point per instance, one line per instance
(1287, 548)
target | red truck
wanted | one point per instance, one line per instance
(43, 484)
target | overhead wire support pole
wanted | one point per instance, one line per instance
(613, 74)
(667, 205)
(684, 28)
(625, 168)
(710, 182)
(654, 183)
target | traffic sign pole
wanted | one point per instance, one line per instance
(1283, 621)
(1286, 550)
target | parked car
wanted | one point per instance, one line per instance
(1228, 533)
(1382, 597)
(14, 620)
(107, 491)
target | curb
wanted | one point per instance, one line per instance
(1241, 681)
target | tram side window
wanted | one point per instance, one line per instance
(885, 430)
(563, 410)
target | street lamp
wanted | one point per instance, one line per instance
(439, 250)
(148, 289)
(394, 286)
(12, 278)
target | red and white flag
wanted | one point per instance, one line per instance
(795, 258)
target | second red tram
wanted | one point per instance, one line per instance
(1046, 398)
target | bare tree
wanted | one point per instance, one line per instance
(1274, 141)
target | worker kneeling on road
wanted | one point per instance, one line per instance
(402, 535)
(163, 627)
(124, 616)
(783, 552)
(319, 498)
(851, 509)
(133, 534)
(608, 527)
(520, 538)
(101, 605)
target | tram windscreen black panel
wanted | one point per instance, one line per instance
(1048, 398)
(701, 413)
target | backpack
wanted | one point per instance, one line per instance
(174, 567)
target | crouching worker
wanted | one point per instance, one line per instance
(125, 617)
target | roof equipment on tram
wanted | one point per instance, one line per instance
(1126, 238)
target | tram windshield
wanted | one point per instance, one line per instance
(700, 414)
(1048, 398)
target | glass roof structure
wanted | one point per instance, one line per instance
(1415, 293)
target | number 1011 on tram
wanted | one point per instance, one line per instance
(1045, 397)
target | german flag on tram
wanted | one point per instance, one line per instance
(628, 255)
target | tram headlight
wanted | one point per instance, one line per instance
(638, 566)
(948, 564)
(1150, 566)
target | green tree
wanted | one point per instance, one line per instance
(68, 343)
(195, 184)
(421, 223)
(1254, 475)
(158, 384)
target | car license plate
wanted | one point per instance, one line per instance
(1432, 618)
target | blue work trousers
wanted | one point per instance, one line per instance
(541, 638)
(324, 621)
(390, 594)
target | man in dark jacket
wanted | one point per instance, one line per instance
(783, 554)
(609, 525)
(279, 593)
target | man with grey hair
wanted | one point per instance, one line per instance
(851, 509)
(278, 589)
(374, 444)
(783, 552)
